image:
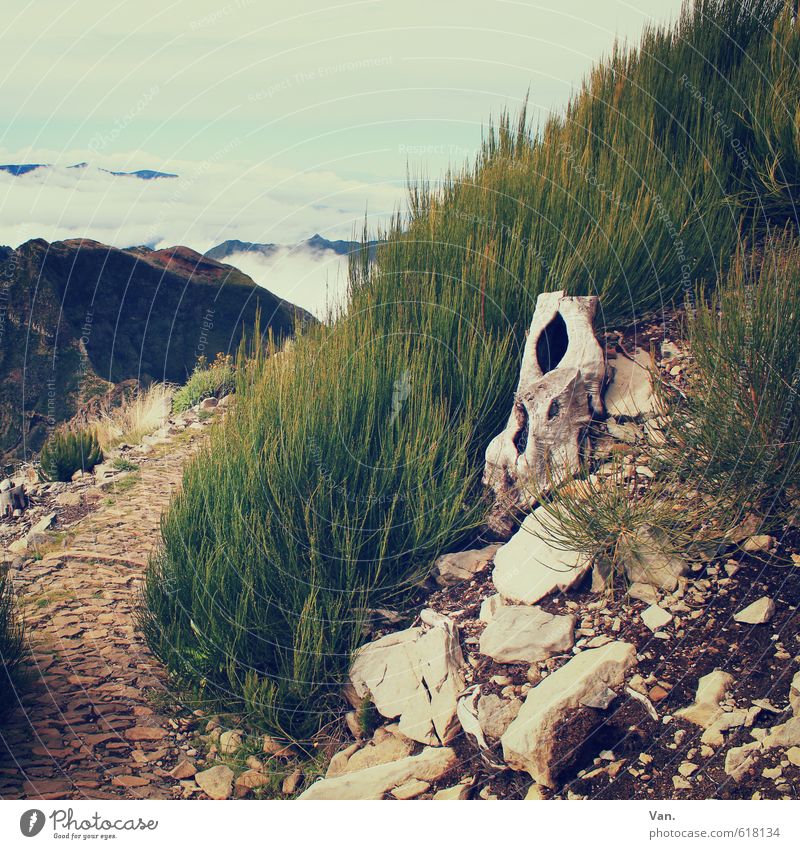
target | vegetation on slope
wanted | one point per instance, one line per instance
(12, 648)
(346, 466)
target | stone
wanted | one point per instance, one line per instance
(217, 782)
(411, 789)
(292, 782)
(490, 606)
(783, 736)
(271, 746)
(757, 613)
(712, 736)
(183, 769)
(655, 617)
(532, 565)
(680, 783)
(521, 634)
(415, 675)
(741, 759)
(794, 694)
(793, 755)
(758, 544)
(452, 569)
(250, 779)
(600, 699)
(687, 769)
(529, 743)
(630, 390)
(230, 742)
(338, 763)
(536, 793)
(373, 783)
(627, 432)
(457, 792)
(711, 690)
(644, 592)
(142, 733)
(208, 403)
(646, 559)
(496, 714)
(560, 383)
(386, 746)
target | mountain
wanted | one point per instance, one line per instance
(78, 316)
(316, 244)
(141, 174)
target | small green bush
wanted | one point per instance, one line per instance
(69, 451)
(12, 647)
(206, 381)
(740, 421)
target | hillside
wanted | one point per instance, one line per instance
(316, 244)
(80, 315)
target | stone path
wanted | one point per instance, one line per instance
(88, 725)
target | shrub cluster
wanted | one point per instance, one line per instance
(68, 451)
(206, 381)
(12, 647)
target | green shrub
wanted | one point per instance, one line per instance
(740, 421)
(348, 464)
(206, 381)
(12, 647)
(68, 451)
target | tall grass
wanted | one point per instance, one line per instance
(138, 415)
(208, 380)
(350, 463)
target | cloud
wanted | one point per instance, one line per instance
(209, 202)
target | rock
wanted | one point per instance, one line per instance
(529, 743)
(687, 769)
(644, 592)
(528, 567)
(230, 742)
(338, 763)
(451, 569)
(411, 789)
(414, 675)
(490, 606)
(655, 617)
(216, 783)
(183, 769)
(142, 733)
(783, 736)
(599, 700)
(793, 755)
(741, 759)
(794, 694)
(759, 543)
(430, 765)
(560, 381)
(496, 714)
(68, 499)
(711, 690)
(757, 613)
(521, 634)
(712, 736)
(646, 559)
(271, 746)
(292, 782)
(630, 391)
(249, 780)
(458, 791)
(680, 783)
(536, 793)
(208, 403)
(387, 745)
(467, 712)
(627, 432)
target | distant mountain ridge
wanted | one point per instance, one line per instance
(141, 174)
(316, 244)
(78, 317)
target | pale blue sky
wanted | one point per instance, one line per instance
(282, 118)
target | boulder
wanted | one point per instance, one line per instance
(496, 714)
(711, 690)
(451, 569)
(741, 759)
(529, 743)
(630, 390)
(387, 745)
(522, 634)
(784, 735)
(414, 675)
(757, 613)
(411, 789)
(529, 566)
(647, 560)
(490, 606)
(655, 617)
(216, 783)
(374, 782)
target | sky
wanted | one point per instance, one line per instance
(281, 119)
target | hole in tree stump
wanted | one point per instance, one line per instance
(552, 344)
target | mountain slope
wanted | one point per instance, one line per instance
(316, 244)
(78, 315)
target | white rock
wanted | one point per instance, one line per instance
(741, 759)
(387, 745)
(711, 690)
(451, 569)
(757, 613)
(630, 392)
(216, 783)
(458, 792)
(490, 606)
(230, 742)
(794, 694)
(655, 617)
(529, 742)
(522, 634)
(496, 714)
(784, 735)
(375, 782)
(647, 560)
(528, 567)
